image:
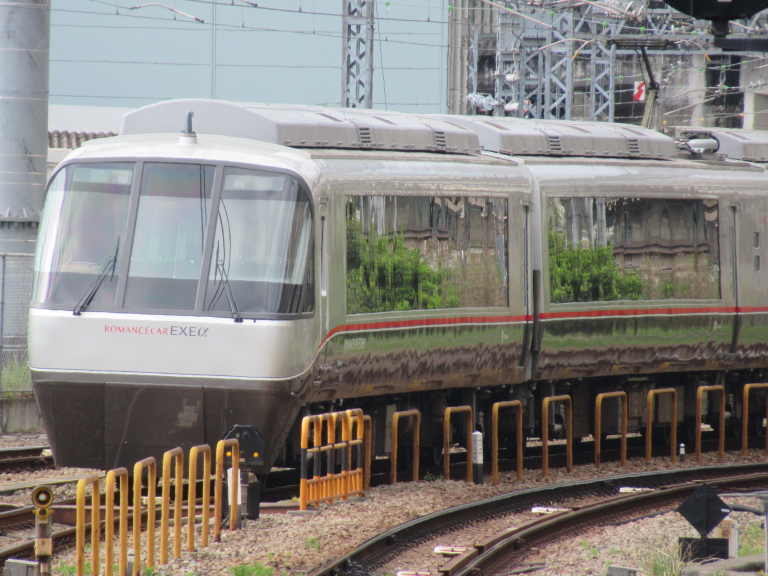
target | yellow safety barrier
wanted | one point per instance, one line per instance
(109, 520)
(745, 416)
(599, 424)
(699, 395)
(447, 439)
(176, 455)
(518, 406)
(192, 505)
(416, 443)
(93, 481)
(356, 480)
(331, 486)
(173, 465)
(545, 433)
(367, 426)
(234, 489)
(138, 469)
(649, 422)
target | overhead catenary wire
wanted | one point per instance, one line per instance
(602, 10)
(333, 34)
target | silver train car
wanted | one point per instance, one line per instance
(219, 264)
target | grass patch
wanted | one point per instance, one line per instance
(255, 569)
(752, 540)
(663, 562)
(16, 377)
(428, 477)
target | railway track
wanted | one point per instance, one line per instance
(498, 551)
(31, 456)
(17, 530)
(17, 524)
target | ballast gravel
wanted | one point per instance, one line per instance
(296, 544)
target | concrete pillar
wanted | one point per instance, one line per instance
(24, 58)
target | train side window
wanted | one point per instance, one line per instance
(603, 249)
(426, 252)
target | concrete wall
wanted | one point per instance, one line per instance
(19, 413)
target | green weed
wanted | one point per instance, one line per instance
(592, 551)
(428, 477)
(663, 562)
(255, 569)
(312, 543)
(16, 377)
(752, 540)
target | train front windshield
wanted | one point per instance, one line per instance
(159, 238)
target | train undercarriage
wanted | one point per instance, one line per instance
(583, 393)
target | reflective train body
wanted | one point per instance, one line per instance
(275, 261)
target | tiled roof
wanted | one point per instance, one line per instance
(72, 140)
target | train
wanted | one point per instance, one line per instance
(220, 264)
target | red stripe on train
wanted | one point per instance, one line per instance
(637, 312)
(653, 312)
(425, 322)
(428, 322)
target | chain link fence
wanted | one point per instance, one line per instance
(15, 295)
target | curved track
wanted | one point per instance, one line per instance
(672, 488)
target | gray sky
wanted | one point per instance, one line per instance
(284, 51)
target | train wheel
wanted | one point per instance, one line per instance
(431, 457)
(757, 425)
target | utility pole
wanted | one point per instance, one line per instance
(458, 58)
(357, 54)
(24, 58)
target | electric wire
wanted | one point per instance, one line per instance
(181, 26)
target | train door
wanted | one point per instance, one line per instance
(324, 264)
(733, 234)
(524, 242)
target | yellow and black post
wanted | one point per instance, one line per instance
(42, 498)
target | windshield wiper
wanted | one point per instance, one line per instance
(228, 291)
(108, 268)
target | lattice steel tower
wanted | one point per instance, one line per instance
(357, 54)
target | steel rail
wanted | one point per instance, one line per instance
(26, 549)
(378, 550)
(15, 457)
(24, 518)
(498, 553)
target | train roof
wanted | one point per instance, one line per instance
(362, 129)
(521, 137)
(305, 126)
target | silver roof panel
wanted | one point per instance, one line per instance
(305, 126)
(520, 137)
(355, 128)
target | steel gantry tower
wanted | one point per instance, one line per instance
(357, 54)
(552, 61)
(544, 60)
